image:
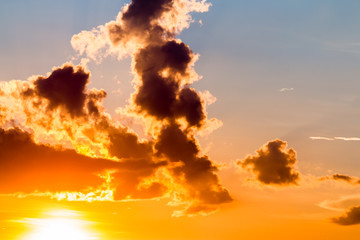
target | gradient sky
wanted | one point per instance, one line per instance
(280, 69)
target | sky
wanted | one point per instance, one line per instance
(179, 119)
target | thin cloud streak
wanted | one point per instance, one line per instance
(336, 138)
(322, 138)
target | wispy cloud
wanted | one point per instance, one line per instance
(322, 138)
(348, 139)
(336, 138)
(286, 89)
(341, 204)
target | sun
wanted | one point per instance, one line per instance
(61, 225)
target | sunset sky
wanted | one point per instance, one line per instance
(179, 119)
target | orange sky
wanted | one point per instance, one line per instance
(79, 159)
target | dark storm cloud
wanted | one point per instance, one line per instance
(351, 217)
(273, 164)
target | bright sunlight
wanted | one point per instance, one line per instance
(59, 225)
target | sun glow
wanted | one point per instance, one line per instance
(59, 225)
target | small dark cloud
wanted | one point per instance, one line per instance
(341, 177)
(351, 217)
(273, 164)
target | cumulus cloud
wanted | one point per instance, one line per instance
(273, 164)
(351, 217)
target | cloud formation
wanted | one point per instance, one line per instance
(57, 117)
(273, 164)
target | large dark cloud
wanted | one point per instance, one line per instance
(273, 164)
(351, 217)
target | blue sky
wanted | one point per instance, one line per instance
(249, 50)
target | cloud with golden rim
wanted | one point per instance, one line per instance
(273, 164)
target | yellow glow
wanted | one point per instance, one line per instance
(59, 225)
(98, 195)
